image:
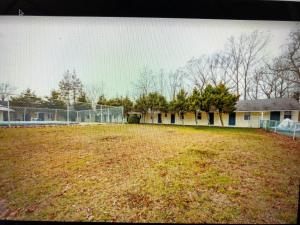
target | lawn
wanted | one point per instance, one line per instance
(148, 173)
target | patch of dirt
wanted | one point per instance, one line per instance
(136, 200)
(112, 138)
(285, 141)
(3, 207)
(204, 153)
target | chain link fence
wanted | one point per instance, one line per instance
(16, 115)
(285, 127)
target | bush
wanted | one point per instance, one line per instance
(133, 119)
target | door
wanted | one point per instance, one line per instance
(159, 117)
(172, 118)
(211, 118)
(232, 119)
(5, 116)
(27, 117)
(82, 119)
(41, 116)
(275, 115)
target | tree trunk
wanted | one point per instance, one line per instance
(152, 119)
(256, 91)
(207, 115)
(221, 118)
(237, 82)
(196, 118)
(245, 90)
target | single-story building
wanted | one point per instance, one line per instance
(248, 113)
(3, 112)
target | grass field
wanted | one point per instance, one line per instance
(148, 173)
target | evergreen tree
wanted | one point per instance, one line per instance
(54, 101)
(141, 105)
(180, 104)
(82, 102)
(27, 99)
(194, 103)
(207, 100)
(224, 101)
(156, 102)
(102, 100)
(70, 87)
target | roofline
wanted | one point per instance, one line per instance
(276, 110)
(281, 110)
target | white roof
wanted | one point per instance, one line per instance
(2, 108)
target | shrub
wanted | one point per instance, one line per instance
(133, 119)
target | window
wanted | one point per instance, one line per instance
(50, 116)
(287, 115)
(247, 116)
(199, 116)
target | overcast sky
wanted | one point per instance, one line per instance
(36, 51)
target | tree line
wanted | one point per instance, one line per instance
(212, 98)
(243, 65)
(71, 92)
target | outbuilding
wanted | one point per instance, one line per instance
(248, 113)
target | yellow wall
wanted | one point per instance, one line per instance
(295, 114)
(189, 119)
(253, 122)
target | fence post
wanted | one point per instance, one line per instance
(8, 112)
(108, 115)
(90, 115)
(55, 115)
(265, 124)
(275, 126)
(101, 119)
(294, 132)
(24, 114)
(68, 114)
(122, 114)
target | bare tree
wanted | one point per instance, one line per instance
(254, 90)
(246, 53)
(161, 82)
(145, 83)
(175, 82)
(235, 50)
(289, 61)
(5, 90)
(268, 81)
(292, 56)
(197, 71)
(218, 69)
(94, 91)
(253, 54)
(207, 69)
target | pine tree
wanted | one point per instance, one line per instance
(194, 103)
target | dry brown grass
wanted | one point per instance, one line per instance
(144, 173)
